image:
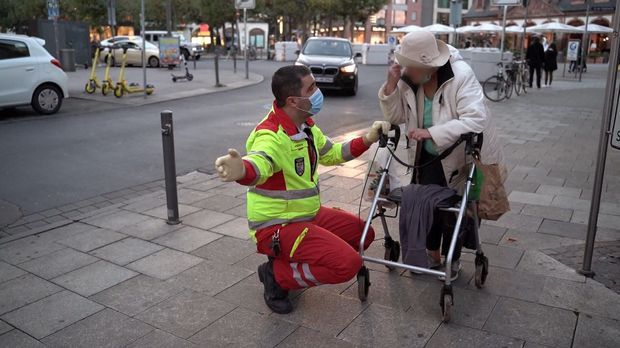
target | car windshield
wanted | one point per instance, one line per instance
(327, 48)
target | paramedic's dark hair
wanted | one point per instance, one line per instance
(286, 82)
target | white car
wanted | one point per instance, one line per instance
(134, 53)
(30, 75)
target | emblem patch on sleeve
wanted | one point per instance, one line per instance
(299, 166)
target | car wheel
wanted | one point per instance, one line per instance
(46, 99)
(353, 90)
(153, 62)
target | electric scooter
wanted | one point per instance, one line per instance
(107, 84)
(93, 82)
(122, 86)
(187, 75)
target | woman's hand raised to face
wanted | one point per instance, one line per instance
(394, 73)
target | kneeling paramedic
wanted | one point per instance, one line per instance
(307, 244)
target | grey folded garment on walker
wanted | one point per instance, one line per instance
(418, 204)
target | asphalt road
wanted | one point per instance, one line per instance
(91, 148)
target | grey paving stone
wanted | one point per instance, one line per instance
(456, 336)
(210, 277)
(188, 196)
(331, 317)
(52, 313)
(595, 331)
(499, 255)
(206, 185)
(23, 290)
(530, 198)
(231, 189)
(126, 250)
(8, 272)
(389, 328)
(237, 228)
(137, 294)
(590, 297)
(92, 239)
(535, 241)
(165, 263)
(186, 313)
(248, 293)
(563, 229)
(161, 339)
(4, 327)
(303, 335)
(244, 328)
(517, 222)
(511, 283)
(150, 229)
(16, 338)
(471, 308)
(537, 262)
(57, 263)
(28, 248)
(117, 219)
(219, 203)
(547, 212)
(390, 289)
(107, 328)
(187, 238)
(240, 211)
(161, 212)
(206, 219)
(571, 203)
(226, 250)
(145, 203)
(532, 322)
(252, 261)
(342, 182)
(93, 278)
(491, 234)
(559, 191)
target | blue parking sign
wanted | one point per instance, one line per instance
(53, 9)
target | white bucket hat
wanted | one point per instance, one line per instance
(421, 49)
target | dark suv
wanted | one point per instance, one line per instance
(332, 63)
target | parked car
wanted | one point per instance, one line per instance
(134, 53)
(29, 75)
(112, 40)
(188, 49)
(332, 63)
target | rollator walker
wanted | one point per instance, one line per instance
(392, 247)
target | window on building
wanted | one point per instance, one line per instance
(414, 15)
(443, 3)
(465, 3)
(399, 17)
(400, 1)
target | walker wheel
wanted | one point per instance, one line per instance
(446, 307)
(392, 251)
(482, 270)
(363, 283)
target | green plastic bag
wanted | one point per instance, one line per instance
(476, 187)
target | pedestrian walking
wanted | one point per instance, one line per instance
(551, 63)
(535, 58)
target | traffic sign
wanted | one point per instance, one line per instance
(505, 2)
(245, 4)
(573, 50)
(53, 9)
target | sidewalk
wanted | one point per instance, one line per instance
(202, 83)
(117, 275)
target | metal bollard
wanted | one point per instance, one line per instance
(235, 62)
(217, 71)
(170, 172)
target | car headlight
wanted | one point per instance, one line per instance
(348, 68)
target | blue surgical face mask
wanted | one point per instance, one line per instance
(316, 102)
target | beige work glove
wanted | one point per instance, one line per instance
(230, 167)
(377, 128)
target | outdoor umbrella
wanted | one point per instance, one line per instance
(407, 29)
(554, 27)
(484, 28)
(596, 29)
(439, 29)
(464, 29)
(514, 29)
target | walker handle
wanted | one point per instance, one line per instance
(383, 139)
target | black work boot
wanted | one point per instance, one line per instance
(276, 298)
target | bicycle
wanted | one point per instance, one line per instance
(522, 75)
(498, 87)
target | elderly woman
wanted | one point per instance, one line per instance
(438, 97)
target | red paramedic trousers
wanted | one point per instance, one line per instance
(321, 251)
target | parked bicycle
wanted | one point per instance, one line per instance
(499, 87)
(522, 75)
